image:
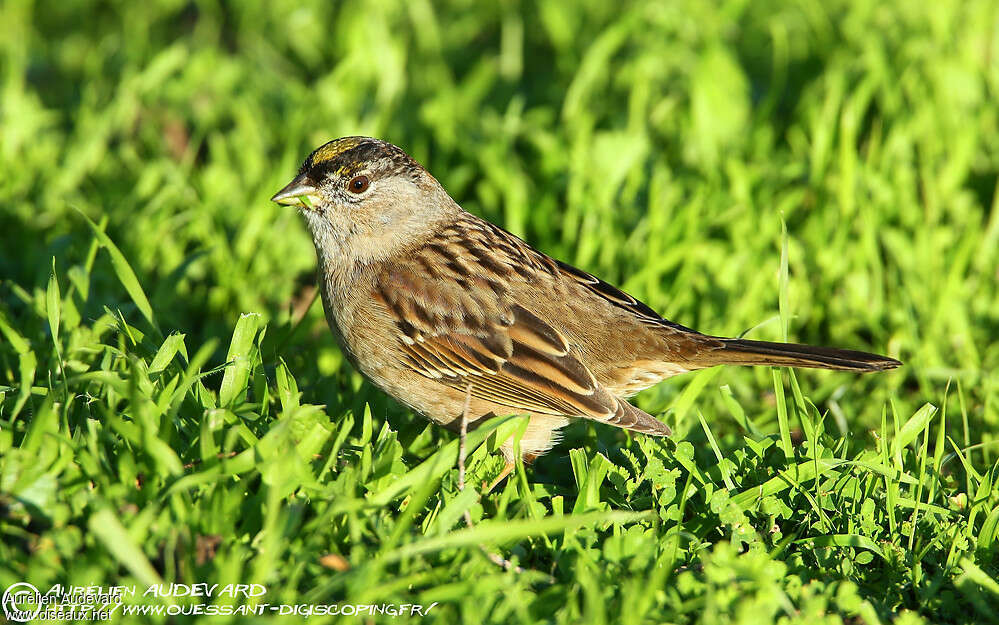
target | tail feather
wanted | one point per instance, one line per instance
(631, 418)
(747, 352)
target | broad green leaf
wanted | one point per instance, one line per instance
(912, 429)
(166, 352)
(53, 302)
(990, 528)
(237, 374)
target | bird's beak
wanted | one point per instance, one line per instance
(299, 191)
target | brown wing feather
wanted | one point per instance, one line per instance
(678, 344)
(525, 365)
(509, 354)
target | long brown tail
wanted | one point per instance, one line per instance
(747, 352)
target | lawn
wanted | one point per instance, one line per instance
(174, 410)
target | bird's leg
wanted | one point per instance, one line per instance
(462, 453)
(462, 434)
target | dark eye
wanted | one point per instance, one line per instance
(358, 184)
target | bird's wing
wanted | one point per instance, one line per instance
(679, 343)
(457, 326)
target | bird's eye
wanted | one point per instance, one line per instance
(358, 184)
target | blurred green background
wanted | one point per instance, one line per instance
(660, 146)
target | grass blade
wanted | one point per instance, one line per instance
(237, 374)
(844, 540)
(498, 532)
(123, 270)
(112, 534)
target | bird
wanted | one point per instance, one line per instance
(436, 306)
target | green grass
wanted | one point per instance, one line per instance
(164, 415)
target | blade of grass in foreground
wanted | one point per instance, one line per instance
(109, 530)
(685, 401)
(975, 583)
(782, 421)
(491, 532)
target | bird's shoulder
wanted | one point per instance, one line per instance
(507, 263)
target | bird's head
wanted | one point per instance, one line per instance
(366, 197)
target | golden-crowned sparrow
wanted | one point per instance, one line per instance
(426, 300)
